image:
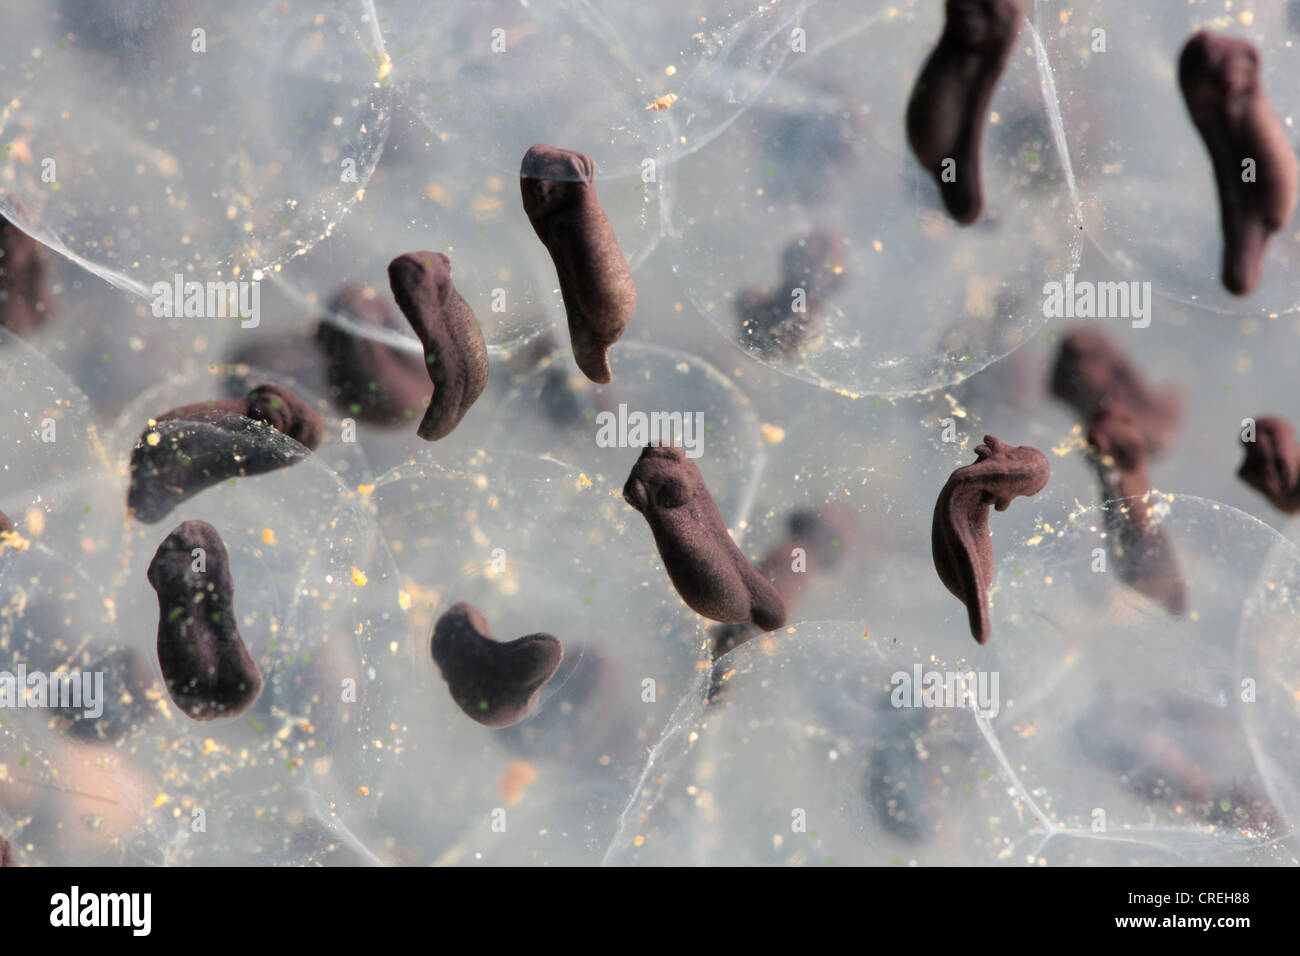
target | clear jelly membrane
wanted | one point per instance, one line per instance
(493, 82)
(554, 410)
(1222, 381)
(537, 546)
(429, 195)
(170, 160)
(315, 591)
(907, 301)
(1095, 728)
(1144, 182)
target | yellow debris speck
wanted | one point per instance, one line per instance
(664, 102)
(364, 791)
(268, 536)
(638, 840)
(358, 577)
(404, 600)
(12, 540)
(385, 66)
(159, 800)
(584, 481)
(34, 521)
(365, 489)
(772, 434)
(153, 438)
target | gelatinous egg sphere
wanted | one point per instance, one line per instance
(809, 235)
(1128, 725)
(1144, 183)
(152, 139)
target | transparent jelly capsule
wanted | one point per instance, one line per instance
(535, 549)
(148, 141)
(658, 394)
(72, 688)
(1268, 663)
(859, 509)
(429, 195)
(810, 237)
(1143, 177)
(819, 752)
(493, 80)
(700, 72)
(1128, 723)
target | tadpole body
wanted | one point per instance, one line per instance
(495, 683)
(559, 195)
(1255, 168)
(1272, 463)
(455, 352)
(779, 321)
(1139, 546)
(1092, 374)
(959, 538)
(208, 671)
(949, 106)
(195, 447)
(707, 569)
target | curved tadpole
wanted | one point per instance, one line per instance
(1092, 374)
(1272, 463)
(950, 101)
(1141, 550)
(455, 353)
(710, 573)
(960, 542)
(780, 321)
(207, 669)
(1255, 168)
(559, 195)
(189, 449)
(496, 683)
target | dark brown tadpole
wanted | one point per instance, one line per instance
(1138, 544)
(779, 321)
(26, 302)
(6, 854)
(6, 525)
(1092, 374)
(559, 193)
(960, 540)
(208, 670)
(950, 101)
(375, 382)
(704, 564)
(191, 448)
(454, 350)
(815, 542)
(1254, 166)
(494, 682)
(1272, 464)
